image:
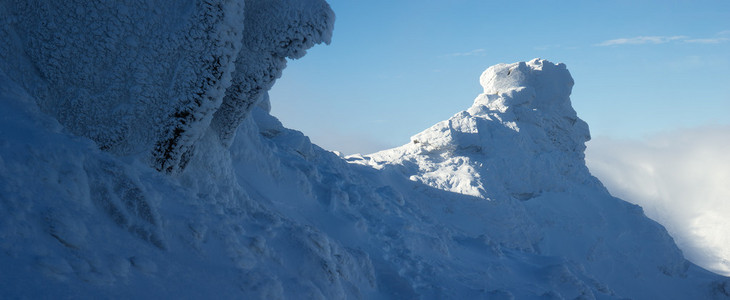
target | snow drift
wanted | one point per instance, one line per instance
(495, 202)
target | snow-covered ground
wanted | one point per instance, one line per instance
(495, 202)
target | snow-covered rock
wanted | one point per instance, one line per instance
(148, 76)
(275, 30)
(495, 202)
(522, 125)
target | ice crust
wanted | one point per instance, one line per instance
(494, 203)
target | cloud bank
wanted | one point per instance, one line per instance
(682, 180)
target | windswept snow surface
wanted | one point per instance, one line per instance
(495, 202)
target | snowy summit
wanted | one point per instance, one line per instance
(138, 159)
(523, 125)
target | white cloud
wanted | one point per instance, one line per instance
(682, 179)
(547, 47)
(642, 40)
(707, 41)
(475, 52)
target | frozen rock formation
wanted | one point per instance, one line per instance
(523, 125)
(275, 31)
(148, 76)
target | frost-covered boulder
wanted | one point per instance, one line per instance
(132, 76)
(275, 31)
(148, 76)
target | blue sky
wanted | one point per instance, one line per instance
(395, 68)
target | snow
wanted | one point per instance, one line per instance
(495, 202)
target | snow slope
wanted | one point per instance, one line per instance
(495, 202)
